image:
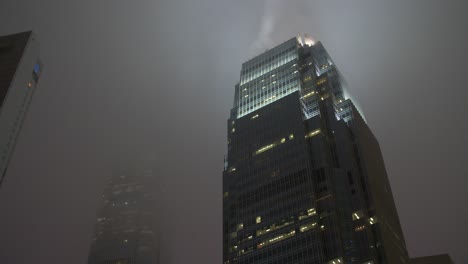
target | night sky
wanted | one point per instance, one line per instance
(131, 78)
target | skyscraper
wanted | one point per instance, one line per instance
(20, 70)
(304, 179)
(126, 231)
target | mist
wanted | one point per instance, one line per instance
(124, 79)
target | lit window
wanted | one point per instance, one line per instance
(270, 146)
(359, 228)
(335, 261)
(255, 116)
(357, 215)
(276, 239)
(308, 95)
(312, 133)
(240, 226)
(321, 81)
(265, 148)
(307, 227)
(291, 136)
(258, 219)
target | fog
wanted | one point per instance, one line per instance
(124, 78)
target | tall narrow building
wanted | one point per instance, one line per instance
(20, 70)
(126, 230)
(304, 178)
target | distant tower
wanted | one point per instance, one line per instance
(126, 231)
(20, 70)
(304, 178)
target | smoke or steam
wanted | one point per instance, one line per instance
(280, 21)
(267, 26)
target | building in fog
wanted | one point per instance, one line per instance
(20, 70)
(436, 259)
(304, 178)
(126, 231)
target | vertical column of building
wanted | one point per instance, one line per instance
(20, 70)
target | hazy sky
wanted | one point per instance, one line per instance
(135, 77)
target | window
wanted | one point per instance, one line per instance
(258, 219)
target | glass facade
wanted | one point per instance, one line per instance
(268, 77)
(301, 182)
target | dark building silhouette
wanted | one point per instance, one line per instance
(19, 73)
(126, 231)
(304, 178)
(436, 259)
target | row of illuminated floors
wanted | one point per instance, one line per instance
(281, 225)
(289, 231)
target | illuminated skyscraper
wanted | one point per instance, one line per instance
(304, 179)
(126, 231)
(20, 70)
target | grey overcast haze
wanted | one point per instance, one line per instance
(132, 78)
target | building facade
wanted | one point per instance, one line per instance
(304, 179)
(126, 231)
(20, 70)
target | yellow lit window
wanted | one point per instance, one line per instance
(258, 219)
(321, 81)
(309, 94)
(265, 148)
(312, 133)
(357, 215)
(360, 228)
(291, 136)
(307, 227)
(335, 261)
(276, 239)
